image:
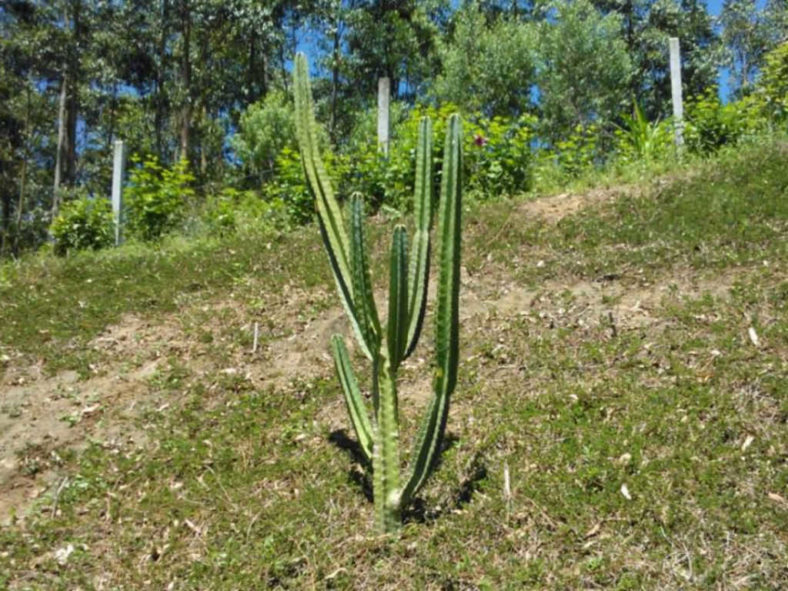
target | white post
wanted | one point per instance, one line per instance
(118, 169)
(384, 89)
(675, 87)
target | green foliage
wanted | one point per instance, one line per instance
(232, 210)
(642, 140)
(348, 255)
(487, 67)
(83, 223)
(578, 152)
(712, 124)
(156, 198)
(266, 128)
(773, 84)
(745, 38)
(289, 191)
(584, 70)
(497, 155)
(497, 162)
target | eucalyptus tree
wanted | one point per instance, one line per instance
(745, 40)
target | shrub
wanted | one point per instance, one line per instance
(578, 152)
(773, 84)
(497, 162)
(711, 124)
(289, 187)
(82, 224)
(157, 197)
(498, 157)
(265, 129)
(233, 210)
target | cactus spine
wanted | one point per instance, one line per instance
(409, 272)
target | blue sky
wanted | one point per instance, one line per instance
(715, 6)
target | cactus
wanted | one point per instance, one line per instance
(378, 436)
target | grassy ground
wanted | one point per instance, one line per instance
(626, 365)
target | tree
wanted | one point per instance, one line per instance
(646, 27)
(487, 66)
(584, 69)
(776, 22)
(392, 38)
(745, 37)
(773, 83)
(265, 129)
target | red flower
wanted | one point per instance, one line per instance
(479, 140)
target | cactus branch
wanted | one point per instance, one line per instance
(386, 450)
(419, 272)
(332, 227)
(398, 297)
(355, 404)
(430, 436)
(363, 298)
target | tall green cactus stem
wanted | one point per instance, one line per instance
(408, 277)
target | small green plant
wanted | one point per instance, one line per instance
(232, 210)
(641, 140)
(157, 197)
(288, 188)
(579, 152)
(386, 349)
(83, 223)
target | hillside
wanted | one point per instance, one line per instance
(624, 365)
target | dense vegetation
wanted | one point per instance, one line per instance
(200, 91)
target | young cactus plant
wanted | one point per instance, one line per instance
(378, 435)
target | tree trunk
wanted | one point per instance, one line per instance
(70, 147)
(61, 140)
(23, 172)
(5, 206)
(250, 69)
(161, 99)
(72, 95)
(68, 109)
(186, 78)
(21, 205)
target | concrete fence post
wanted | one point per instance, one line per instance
(675, 87)
(384, 92)
(118, 171)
